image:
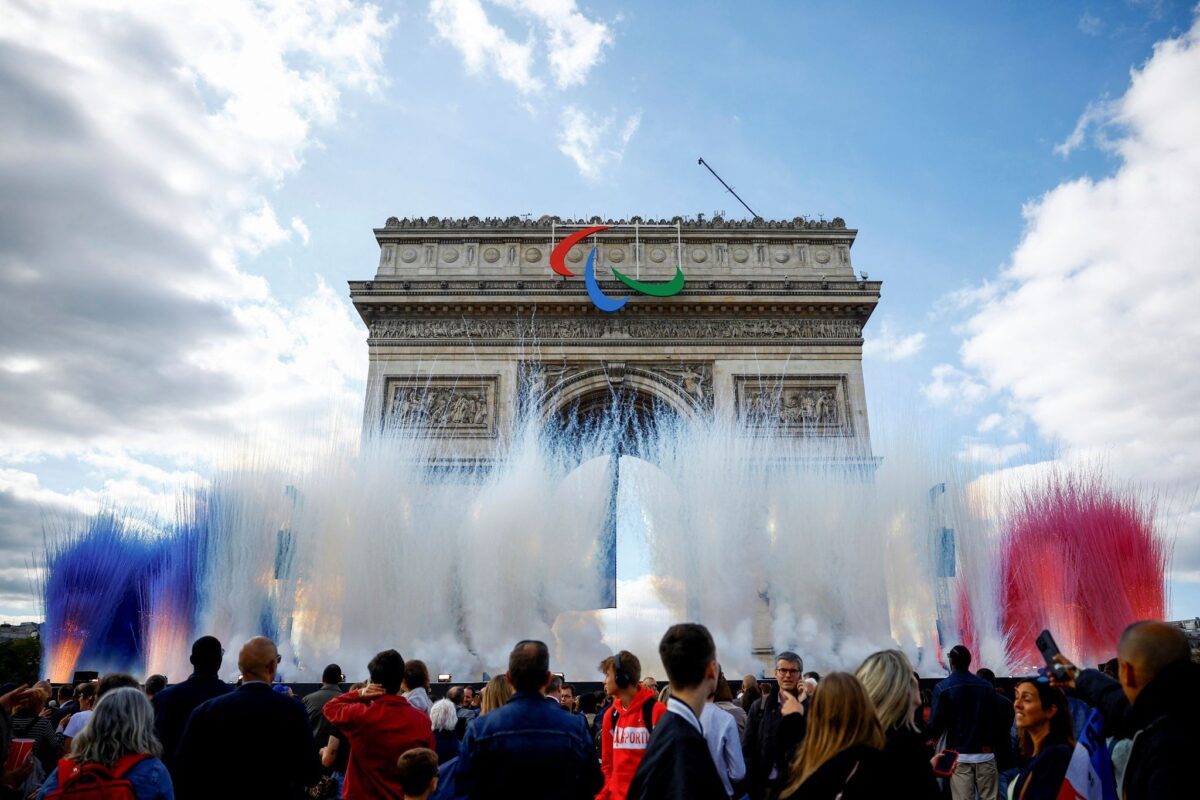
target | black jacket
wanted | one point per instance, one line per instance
(857, 773)
(765, 749)
(174, 704)
(252, 742)
(1164, 724)
(964, 707)
(677, 764)
(908, 758)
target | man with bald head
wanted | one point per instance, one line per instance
(252, 742)
(1155, 702)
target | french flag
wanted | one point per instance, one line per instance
(1089, 775)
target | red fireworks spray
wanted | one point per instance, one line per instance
(1083, 560)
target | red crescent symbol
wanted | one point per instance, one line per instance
(560, 251)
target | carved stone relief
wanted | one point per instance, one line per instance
(458, 407)
(794, 405)
(490, 330)
(691, 382)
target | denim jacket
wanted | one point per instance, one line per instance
(529, 748)
(964, 707)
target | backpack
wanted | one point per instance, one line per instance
(96, 781)
(647, 716)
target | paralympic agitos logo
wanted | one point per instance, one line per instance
(600, 299)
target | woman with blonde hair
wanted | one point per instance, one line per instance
(888, 678)
(842, 752)
(495, 694)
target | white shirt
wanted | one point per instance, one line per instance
(724, 745)
(681, 708)
(76, 723)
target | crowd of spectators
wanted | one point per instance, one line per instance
(529, 734)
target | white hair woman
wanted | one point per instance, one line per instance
(118, 741)
(892, 686)
(444, 718)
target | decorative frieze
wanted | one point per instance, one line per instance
(487, 330)
(459, 406)
(798, 405)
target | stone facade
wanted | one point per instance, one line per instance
(467, 321)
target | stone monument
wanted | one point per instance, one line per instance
(467, 321)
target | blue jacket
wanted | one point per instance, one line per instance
(149, 779)
(530, 749)
(964, 707)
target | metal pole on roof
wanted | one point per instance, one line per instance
(727, 187)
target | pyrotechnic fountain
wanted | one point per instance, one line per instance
(759, 537)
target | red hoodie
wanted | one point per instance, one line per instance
(621, 751)
(379, 731)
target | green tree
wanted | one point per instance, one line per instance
(20, 660)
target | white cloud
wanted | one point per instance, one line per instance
(1099, 116)
(953, 387)
(1094, 333)
(591, 142)
(301, 230)
(1011, 424)
(887, 344)
(572, 43)
(990, 454)
(1090, 24)
(132, 338)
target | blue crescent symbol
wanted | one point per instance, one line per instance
(599, 298)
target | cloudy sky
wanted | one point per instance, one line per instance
(186, 187)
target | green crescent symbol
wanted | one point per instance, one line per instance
(666, 289)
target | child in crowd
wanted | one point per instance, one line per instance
(418, 773)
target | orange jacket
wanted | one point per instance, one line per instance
(621, 750)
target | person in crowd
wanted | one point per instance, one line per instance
(1112, 669)
(569, 701)
(724, 744)
(887, 677)
(471, 701)
(677, 762)
(528, 748)
(332, 678)
(554, 690)
(66, 704)
(1046, 738)
(749, 696)
(748, 682)
(335, 748)
(418, 771)
(154, 685)
(115, 680)
(380, 724)
(457, 695)
(443, 719)
(173, 705)
(250, 742)
(11, 696)
(625, 728)
(1156, 703)
(72, 724)
(842, 753)
(767, 756)
(964, 708)
(119, 739)
(650, 683)
(724, 700)
(28, 722)
(497, 692)
(416, 686)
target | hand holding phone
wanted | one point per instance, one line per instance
(1060, 670)
(944, 763)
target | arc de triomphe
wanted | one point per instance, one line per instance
(467, 320)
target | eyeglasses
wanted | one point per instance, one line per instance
(787, 671)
